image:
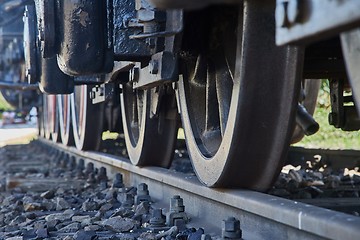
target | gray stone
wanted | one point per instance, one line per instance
(42, 233)
(119, 224)
(30, 215)
(295, 175)
(90, 205)
(105, 207)
(62, 204)
(84, 235)
(92, 228)
(80, 218)
(51, 224)
(66, 215)
(33, 207)
(72, 227)
(48, 194)
(49, 205)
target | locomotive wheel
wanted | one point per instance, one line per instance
(40, 119)
(66, 131)
(87, 119)
(238, 111)
(46, 127)
(53, 118)
(50, 121)
(150, 139)
(350, 42)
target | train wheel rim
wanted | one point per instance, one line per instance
(350, 43)
(53, 118)
(253, 140)
(66, 132)
(150, 140)
(46, 118)
(86, 118)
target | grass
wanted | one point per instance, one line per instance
(3, 104)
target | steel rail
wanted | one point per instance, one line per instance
(261, 216)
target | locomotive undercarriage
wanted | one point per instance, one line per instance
(237, 92)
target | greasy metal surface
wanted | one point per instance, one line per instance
(125, 48)
(314, 21)
(261, 112)
(31, 53)
(83, 47)
(261, 216)
(53, 80)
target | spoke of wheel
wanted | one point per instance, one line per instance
(256, 97)
(224, 85)
(211, 104)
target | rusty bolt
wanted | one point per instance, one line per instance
(231, 229)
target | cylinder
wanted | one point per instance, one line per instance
(53, 80)
(84, 46)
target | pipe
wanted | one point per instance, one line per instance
(306, 121)
(18, 86)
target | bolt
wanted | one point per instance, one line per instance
(176, 204)
(231, 229)
(142, 189)
(81, 164)
(154, 66)
(72, 163)
(134, 74)
(91, 178)
(118, 181)
(102, 175)
(151, 42)
(142, 193)
(65, 161)
(294, 11)
(89, 169)
(281, 15)
(157, 218)
(129, 201)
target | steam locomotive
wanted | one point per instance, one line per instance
(242, 75)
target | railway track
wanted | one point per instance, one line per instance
(261, 216)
